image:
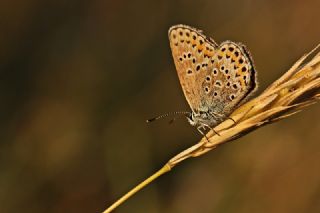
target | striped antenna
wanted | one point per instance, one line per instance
(168, 114)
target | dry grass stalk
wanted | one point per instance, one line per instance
(299, 87)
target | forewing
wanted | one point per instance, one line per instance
(192, 52)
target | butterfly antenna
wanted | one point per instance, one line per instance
(166, 115)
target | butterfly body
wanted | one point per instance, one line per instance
(214, 78)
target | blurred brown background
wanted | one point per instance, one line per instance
(79, 78)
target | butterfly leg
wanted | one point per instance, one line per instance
(199, 130)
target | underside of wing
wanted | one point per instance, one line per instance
(191, 51)
(213, 78)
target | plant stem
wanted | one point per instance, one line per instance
(166, 168)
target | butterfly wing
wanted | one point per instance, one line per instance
(233, 78)
(191, 51)
(214, 78)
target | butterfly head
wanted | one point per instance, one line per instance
(202, 118)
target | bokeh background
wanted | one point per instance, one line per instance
(79, 79)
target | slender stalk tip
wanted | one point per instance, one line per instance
(166, 168)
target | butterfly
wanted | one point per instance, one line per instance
(215, 79)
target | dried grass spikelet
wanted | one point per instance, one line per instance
(299, 87)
